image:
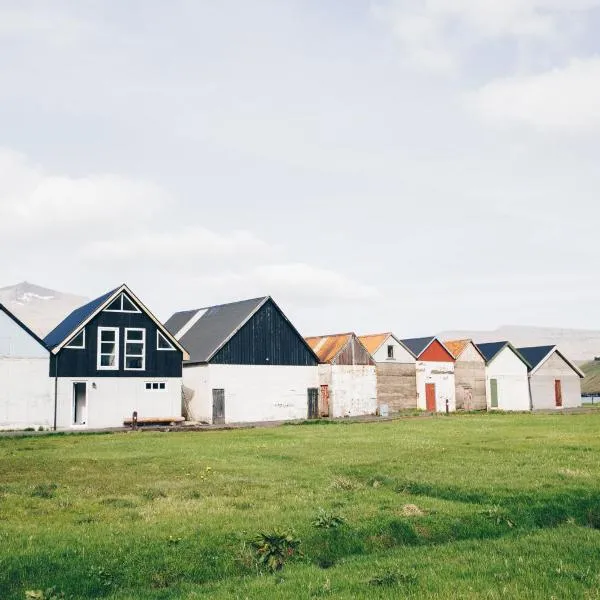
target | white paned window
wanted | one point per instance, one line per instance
(162, 343)
(78, 342)
(108, 348)
(135, 349)
(122, 303)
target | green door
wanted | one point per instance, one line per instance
(494, 391)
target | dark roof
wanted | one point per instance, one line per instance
(68, 325)
(490, 349)
(217, 325)
(418, 345)
(22, 325)
(534, 355)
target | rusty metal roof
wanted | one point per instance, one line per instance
(456, 347)
(373, 341)
(327, 347)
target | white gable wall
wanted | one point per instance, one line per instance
(26, 392)
(442, 375)
(513, 384)
(543, 381)
(252, 392)
(352, 389)
(401, 354)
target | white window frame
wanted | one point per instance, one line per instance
(159, 335)
(392, 357)
(142, 341)
(122, 310)
(70, 344)
(99, 352)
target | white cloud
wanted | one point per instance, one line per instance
(194, 247)
(562, 100)
(435, 34)
(31, 199)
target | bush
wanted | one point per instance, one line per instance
(274, 549)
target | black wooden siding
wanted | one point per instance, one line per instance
(82, 363)
(266, 339)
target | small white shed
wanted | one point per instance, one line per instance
(506, 378)
(554, 381)
(26, 390)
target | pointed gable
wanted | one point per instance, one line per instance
(340, 349)
(436, 352)
(536, 356)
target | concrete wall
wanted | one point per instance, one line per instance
(252, 392)
(513, 384)
(352, 389)
(396, 386)
(26, 391)
(442, 375)
(469, 373)
(542, 384)
(115, 398)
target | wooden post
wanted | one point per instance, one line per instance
(134, 420)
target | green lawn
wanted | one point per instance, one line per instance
(472, 506)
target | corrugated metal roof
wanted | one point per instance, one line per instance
(327, 347)
(373, 341)
(456, 347)
(217, 325)
(418, 345)
(534, 355)
(68, 325)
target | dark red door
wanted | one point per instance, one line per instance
(430, 396)
(558, 393)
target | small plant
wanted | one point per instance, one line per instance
(273, 549)
(498, 516)
(153, 494)
(44, 490)
(48, 594)
(328, 520)
(102, 577)
(393, 578)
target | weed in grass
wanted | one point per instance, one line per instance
(44, 490)
(195, 495)
(346, 484)
(394, 578)
(411, 510)
(328, 520)
(153, 494)
(118, 502)
(48, 594)
(274, 549)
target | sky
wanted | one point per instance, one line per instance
(374, 165)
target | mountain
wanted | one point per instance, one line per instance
(41, 309)
(591, 383)
(578, 345)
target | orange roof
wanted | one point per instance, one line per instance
(373, 342)
(456, 347)
(327, 347)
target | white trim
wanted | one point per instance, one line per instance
(139, 303)
(555, 350)
(122, 310)
(99, 352)
(193, 320)
(71, 347)
(128, 341)
(160, 335)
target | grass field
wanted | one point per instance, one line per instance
(472, 506)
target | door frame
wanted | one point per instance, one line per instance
(558, 394)
(214, 421)
(74, 402)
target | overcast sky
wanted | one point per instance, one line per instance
(373, 165)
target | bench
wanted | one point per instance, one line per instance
(153, 421)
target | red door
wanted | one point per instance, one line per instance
(558, 393)
(324, 408)
(430, 396)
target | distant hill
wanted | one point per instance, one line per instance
(41, 309)
(591, 383)
(578, 345)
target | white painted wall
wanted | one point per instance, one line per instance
(26, 393)
(442, 375)
(115, 398)
(542, 384)
(513, 384)
(352, 389)
(401, 354)
(252, 392)
(469, 354)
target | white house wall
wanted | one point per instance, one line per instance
(252, 392)
(542, 385)
(442, 375)
(401, 354)
(26, 392)
(352, 389)
(115, 398)
(513, 386)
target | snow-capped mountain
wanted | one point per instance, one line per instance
(41, 309)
